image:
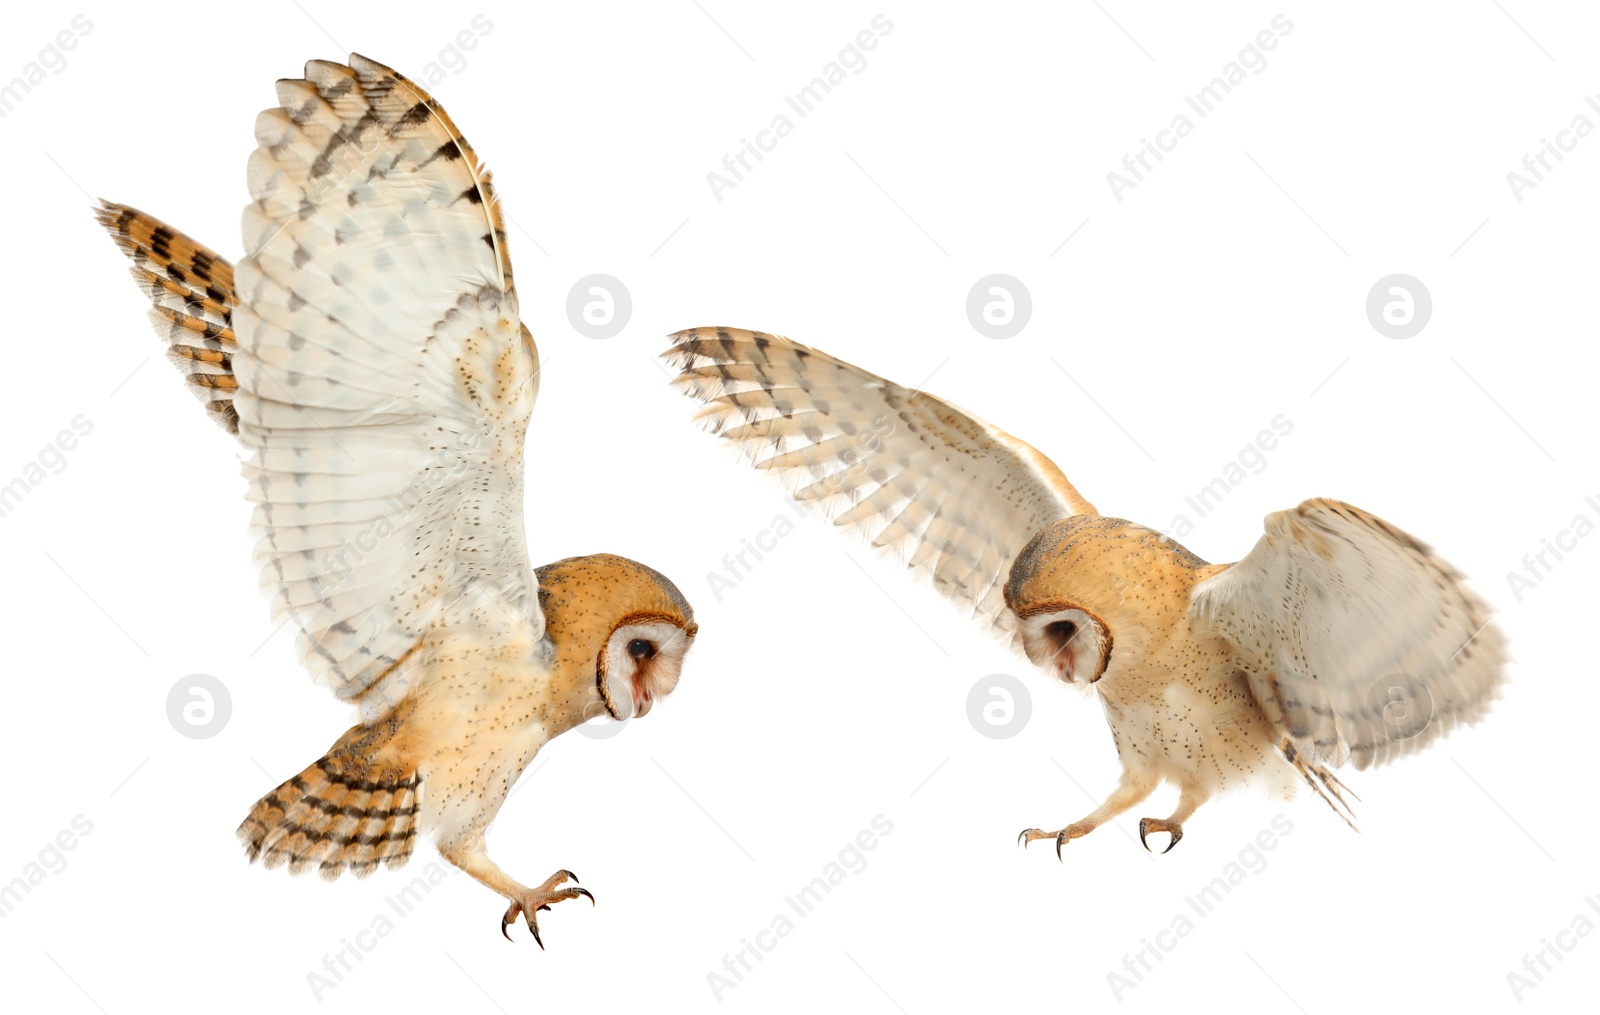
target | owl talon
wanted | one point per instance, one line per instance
(1076, 830)
(537, 900)
(1148, 825)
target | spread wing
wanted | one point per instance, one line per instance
(953, 496)
(384, 380)
(1361, 645)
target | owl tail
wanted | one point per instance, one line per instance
(355, 807)
(191, 292)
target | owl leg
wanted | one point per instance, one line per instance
(469, 854)
(1189, 800)
(1134, 787)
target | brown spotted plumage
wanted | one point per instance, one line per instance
(367, 350)
(191, 292)
(1338, 639)
(354, 808)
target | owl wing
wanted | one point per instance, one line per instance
(951, 495)
(190, 289)
(1360, 644)
(384, 380)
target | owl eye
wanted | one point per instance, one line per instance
(641, 649)
(1062, 630)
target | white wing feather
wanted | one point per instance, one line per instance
(385, 381)
(1361, 645)
(951, 495)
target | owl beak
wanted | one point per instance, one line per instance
(642, 698)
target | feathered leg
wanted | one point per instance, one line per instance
(468, 853)
(1134, 787)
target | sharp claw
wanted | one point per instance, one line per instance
(546, 892)
(1061, 840)
(1144, 828)
(1022, 838)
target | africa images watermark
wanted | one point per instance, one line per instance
(1252, 860)
(199, 706)
(1252, 457)
(50, 461)
(1536, 166)
(1539, 963)
(852, 859)
(736, 565)
(52, 860)
(1536, 567)
(453, 58)
(999, 706)
(860, 446)
(852, 60)
(338, 964)
(1251, 60)
(52, 58)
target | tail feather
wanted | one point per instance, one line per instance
(353, 808)
(192, 296)
(1322, 781)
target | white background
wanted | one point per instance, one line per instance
(1227, 288)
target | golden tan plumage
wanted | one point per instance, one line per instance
(353, 808)
(590, 599)
(191, 292)
(368, 353)
(1338, 639)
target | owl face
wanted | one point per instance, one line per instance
(1070, 642)
(641, 662)
(620, 626)
(1070, 591)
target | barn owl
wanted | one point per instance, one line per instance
(368, 355)
(1338, 638)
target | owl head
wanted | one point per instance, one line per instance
(1072, 609)
(624, 626)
